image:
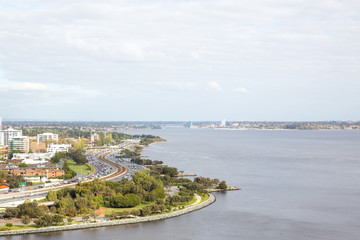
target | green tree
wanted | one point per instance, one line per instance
(23, 165)
(44, 221)
(9, 225)
(14, 180)
(26, 220)
(222, 185)
(108, 139)
(85, 217)
(145, 211)
(57, 219)
(51, 196)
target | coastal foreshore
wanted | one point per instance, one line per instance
(108, 223)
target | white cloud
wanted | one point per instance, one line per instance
(214, 86)
(176, 85)
(241, 90)
(22, 86)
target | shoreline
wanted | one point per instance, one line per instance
(109, 223)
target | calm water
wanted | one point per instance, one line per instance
(295, 185)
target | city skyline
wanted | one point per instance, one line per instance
(180, 61)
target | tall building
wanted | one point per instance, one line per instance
(7, 135)
(19, 144)
(0, 124)
(47, 136)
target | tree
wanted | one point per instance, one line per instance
(44, 221)
(9, 225)
(23, 165)
(57, 157)
(94, 215)
(169, 171)
(222, 185)
(145, 211)
(85, 217)
(51, 196)
(69, 219)
(25, 220)
(108, 139)
(78, 156)
(11, 213)
(57, 219)
(14, 180)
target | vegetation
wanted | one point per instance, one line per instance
(69, 173)
(80, 168)
(23, 165)
(57, 157)
(78, 156)
(222, 185)
(14, 180)
(146, 140)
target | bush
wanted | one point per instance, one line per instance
(129, 200)
(44, 221)
(9, 225)
(26, 220)
(11, 213)
(145, 211)
(222, 185)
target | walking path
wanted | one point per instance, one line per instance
(198, 200)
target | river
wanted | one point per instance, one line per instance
(294, 185)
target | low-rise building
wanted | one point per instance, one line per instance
(19, 144)
(47, 136)
(35, 174)
(34, 156)
(94, 137)
(54, 148)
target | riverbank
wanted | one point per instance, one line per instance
(164, 216)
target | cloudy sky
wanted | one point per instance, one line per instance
(180, 60)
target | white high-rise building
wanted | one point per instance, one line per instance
(7, 135)
(0, 124)
(47, 136)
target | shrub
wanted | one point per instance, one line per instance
(9, 225)
(25, 220)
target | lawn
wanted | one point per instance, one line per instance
(20, 227)
(204, 197)
(111, 210)
(82, 167)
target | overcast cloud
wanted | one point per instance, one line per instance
(180, 60)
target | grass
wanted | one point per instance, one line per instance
(85, 168)
(111, 210)
(204, 197)
(20, 227)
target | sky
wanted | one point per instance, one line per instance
(134, 60)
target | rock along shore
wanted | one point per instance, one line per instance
(186, 210)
